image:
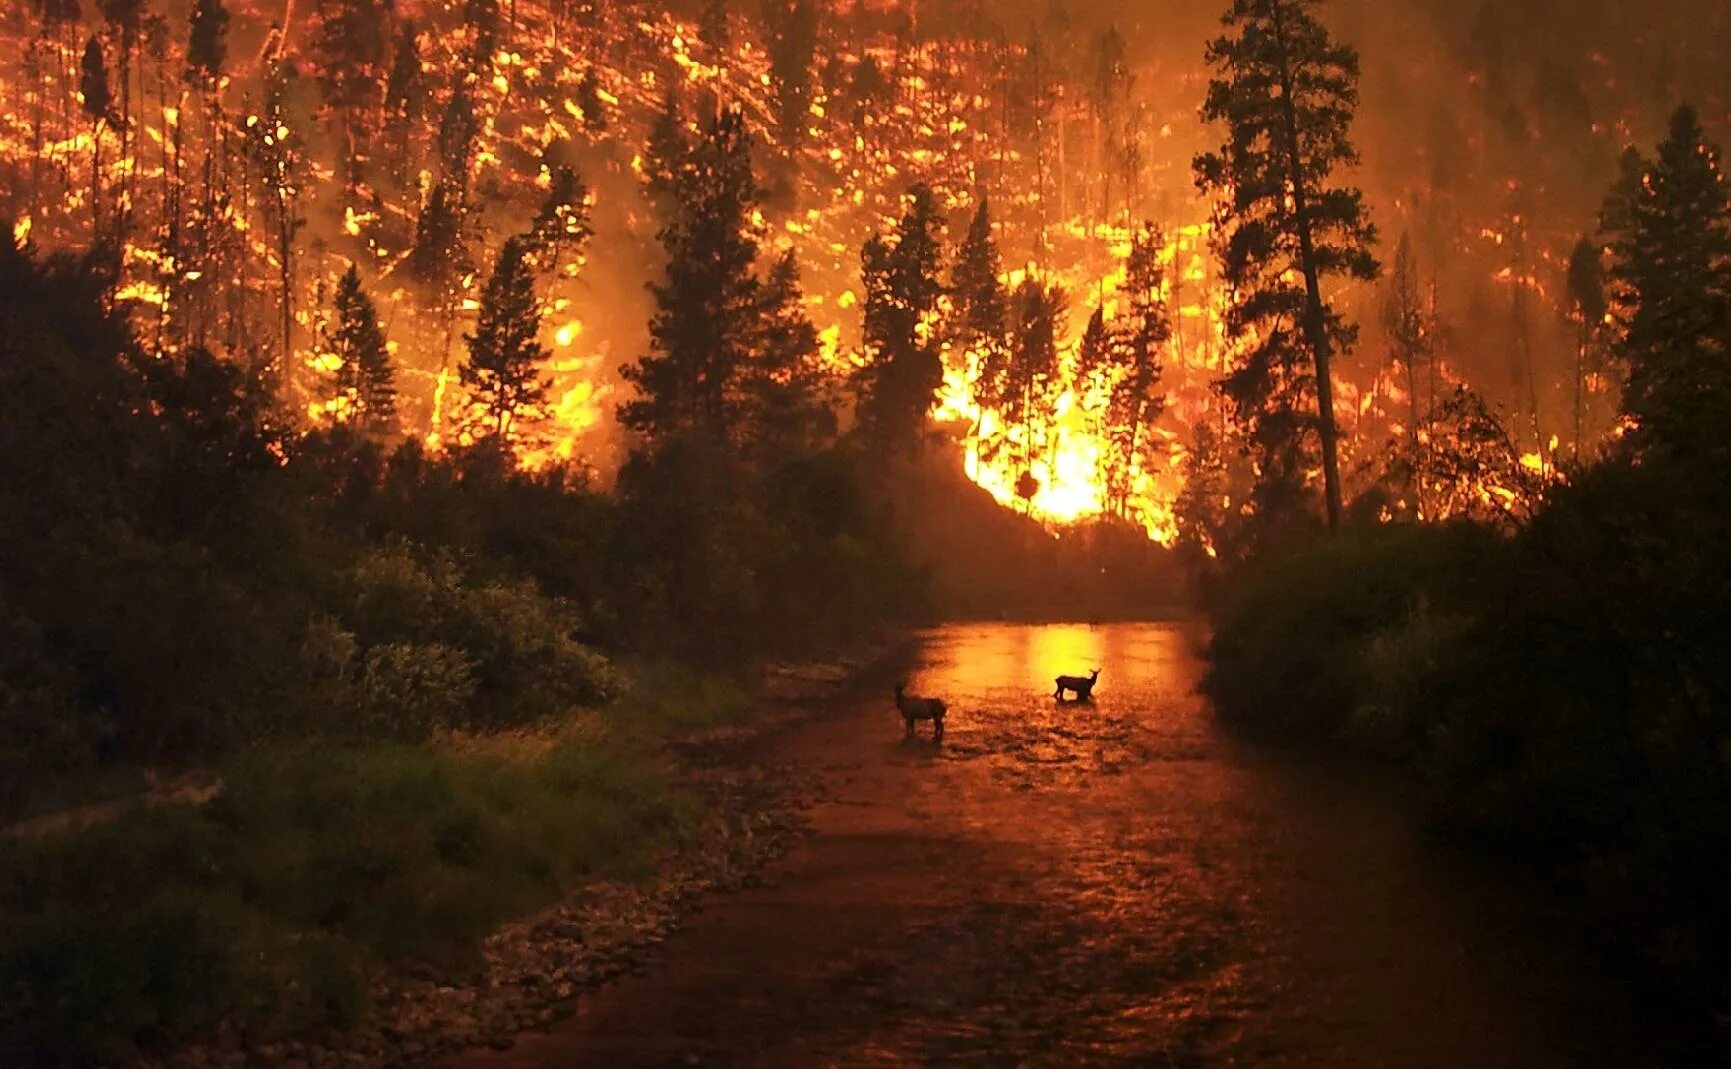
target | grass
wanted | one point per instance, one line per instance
(273, 903)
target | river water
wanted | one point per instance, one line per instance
(1115, 883)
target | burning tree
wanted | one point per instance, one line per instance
(1031, 374)
(365, 381)
(1286, 93)
(503, 372)
(1411, 334)
(99, 108)
(903, 372)
(1129, 351)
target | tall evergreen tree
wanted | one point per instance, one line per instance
(352, 44)
(713, 29)
(438, 257)
(405, 99)
(667, 154)
(482, 19)
(561, 227)
(1135, 357)
(1670, 240)
(708, 304)
(503, 371)
(1410, 340)
(1587, 309)
(903, 371)
(99, 109)
(207, 41)
(980, 307)
(365, 376)
(1036, 324)
(784, 385)
(1286, 93)
(280, 152)
(792, 26)
(458, 128)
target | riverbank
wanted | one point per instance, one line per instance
(385, 903)
(1550, 696)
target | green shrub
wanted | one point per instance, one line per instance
(1398, 667)
(445, 649)
(410, 690)
(276, 901)
(1286, 650)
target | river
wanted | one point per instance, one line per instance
(1115, 883)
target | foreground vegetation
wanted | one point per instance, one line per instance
(405, 671)
(1562, 685)
(275, 905)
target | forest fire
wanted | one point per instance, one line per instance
(475, 474)
(243, 168)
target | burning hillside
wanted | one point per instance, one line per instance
(237, 157)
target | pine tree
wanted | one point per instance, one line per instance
(405, 86)
(503, 372)
(99, 108)
(903, 372)
(437, 256)
(712, 28)
(668, 152)
(365, 376)
(481, 18)
(351, 47)
(1200, 510)
(1587, 308)
(1409, 337)
(439, 259)
(561, 228)
(792, 26)
(785, 385)
(278, 147)
(207, 41)
(1286, 94)
(1670, 240)
(405, 99)
(125, 19)
(590, 103)
(980, 308)
(1135, 364)
(1037, 322)
(708, 304)
(458, 128)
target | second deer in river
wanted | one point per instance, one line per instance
(1081, 686)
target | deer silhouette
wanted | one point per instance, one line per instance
(1081, 686)
(915, 709)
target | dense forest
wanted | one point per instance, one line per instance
(377, 373)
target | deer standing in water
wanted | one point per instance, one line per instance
(915, 709)
(1081, 686)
